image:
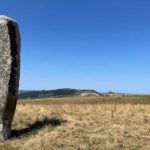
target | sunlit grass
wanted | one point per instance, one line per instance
(80, 127)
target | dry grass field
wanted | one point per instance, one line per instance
(80, 124)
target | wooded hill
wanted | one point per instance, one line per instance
(54, 93)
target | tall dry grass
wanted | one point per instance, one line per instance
(80, 127)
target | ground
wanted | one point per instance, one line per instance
(81, 124)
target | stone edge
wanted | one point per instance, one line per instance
(4, 19)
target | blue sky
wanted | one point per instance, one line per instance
(100, 44)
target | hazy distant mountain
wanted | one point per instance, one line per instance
(24, 91)
(24, 94)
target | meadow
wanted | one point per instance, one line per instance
(81, 123)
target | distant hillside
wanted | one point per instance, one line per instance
(24, 91)
(56, 93)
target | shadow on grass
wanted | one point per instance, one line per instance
(33, 128)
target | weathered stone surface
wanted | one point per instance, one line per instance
(9, 73)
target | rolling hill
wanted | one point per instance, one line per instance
(23, 94)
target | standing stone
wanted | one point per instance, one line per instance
(9, 73)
